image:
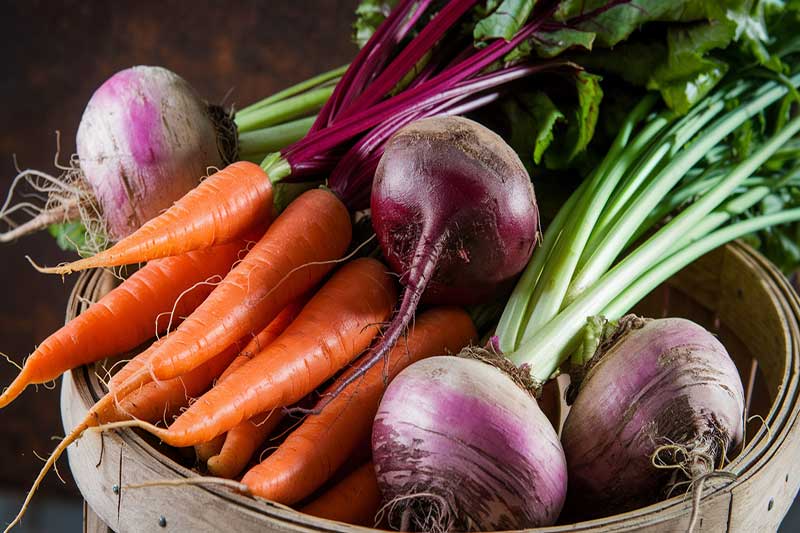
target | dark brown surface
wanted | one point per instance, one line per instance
(55, 54)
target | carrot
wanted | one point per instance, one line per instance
(140, 397)
(253, 432)
(313, 452)
(128, 315)
(207, 450)
(241, 442)
(295, 253)
(159, 400)
(222, 208)
(273, 330)
(354, 500)
(332, 329)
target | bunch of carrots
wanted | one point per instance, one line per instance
(290, 312)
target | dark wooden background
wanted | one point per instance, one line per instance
(54, 55)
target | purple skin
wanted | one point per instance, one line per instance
(670, 381)
(458, 445)
(455, 214)
(145, 140)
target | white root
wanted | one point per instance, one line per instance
(43, 199)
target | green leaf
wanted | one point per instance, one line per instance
(533, 118)
(504, 20)
(682, 92)
(369, 15)
(581, 122)
(69, 235)
(619, 22)
(551, 44)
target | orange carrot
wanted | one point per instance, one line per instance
(137, 396)
(159, 400)
(128, 315)
(222, 208)
(295, 253)
(274, 329)
(241, 442)
(354, 500)
(246, 439)
(207, 450)
(332, 329)
(313, 452)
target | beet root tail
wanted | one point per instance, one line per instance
(426, 259)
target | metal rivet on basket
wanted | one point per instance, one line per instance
(115, 489)
(162, 521)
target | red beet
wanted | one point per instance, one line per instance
(455, 214)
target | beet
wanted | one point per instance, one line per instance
(455, 214)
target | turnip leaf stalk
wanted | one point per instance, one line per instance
(545, 348)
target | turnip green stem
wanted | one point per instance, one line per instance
(618, 235)
(545, 349)
(509, 329)
(663, 270)
(326, 77)
(671, 140)
(284, 110)
(549, 292)
(266, 140)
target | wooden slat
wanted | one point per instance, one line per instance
(91, 522)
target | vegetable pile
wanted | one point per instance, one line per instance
(349, 381)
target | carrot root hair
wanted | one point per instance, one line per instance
(200, 480)
(49, 463)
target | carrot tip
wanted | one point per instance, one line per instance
(62, 269)
(141, 424)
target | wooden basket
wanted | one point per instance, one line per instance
(732, 291)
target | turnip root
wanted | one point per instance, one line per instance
(145, 139)
(458, 445)
(660, 393)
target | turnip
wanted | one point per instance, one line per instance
(458, 446)
(663, 391)
(145, 139)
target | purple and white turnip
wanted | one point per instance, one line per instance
(659, 392)
(145, 139)
(457, 445)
